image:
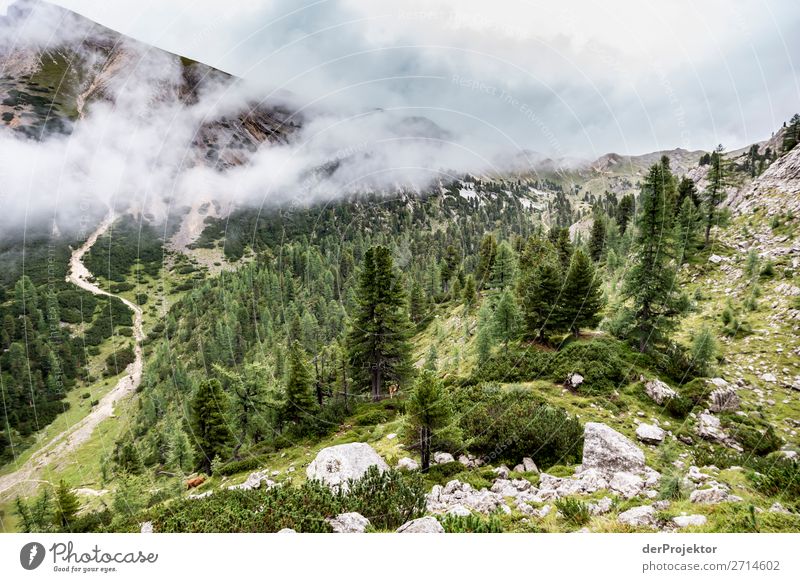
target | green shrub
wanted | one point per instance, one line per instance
(387, 499)
(511, 424)
(471, 524)
(672, 487)
(776, 476)
(441, 474)
(754, 440)
(679, 407)
(598, 361)
(248, 464)
(573, 510)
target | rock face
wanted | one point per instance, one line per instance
(349, 523)
(642, 516)
(336, 465)
(650, 434)
(724, 399)
(658, 391)
(609, 452)
(422, 525)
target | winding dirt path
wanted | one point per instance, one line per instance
(27, 477)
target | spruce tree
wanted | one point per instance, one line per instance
(429, 410)
(597, 240)
(210, 430)
(379, 334)
(486, 256)
(650, 280)
(563, 245)
(539, 289)
(65, 508)
(299, 404)
(687, 225)
(505, 320)
(582, 296)
(715, 191)
(470, 294)
(504, 268)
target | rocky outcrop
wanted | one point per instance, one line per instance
(348, 523)
(422, 525)
(337, 465)
(609, 452)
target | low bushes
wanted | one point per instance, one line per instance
(248, 464)
(471, 524)
(511, 424)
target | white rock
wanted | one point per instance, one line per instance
(391, 436)
(254, 481)
(574, 380)
(769, 377)
(440, 458)
(609, 452)
(544, 511)
(338, 464)
(425, 524)
(408, 464)
(529, 465)
(195, 496)
(650, 434)
(626, 484)
(146, 527)
(724, 400)
(459, 511)
(502, 471)
(712, 495)
(689, 520)
(658, 391)
(778, 508)
(287, 530)
(716, 259)
(642, 516)
(601, 507)
(349, 523)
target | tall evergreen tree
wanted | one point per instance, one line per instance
(470, 294)
(538, 289)
(597, 240)
(486, 256)
(582, 296)
(625, 211)
(210, 430)
(563, 245)
(715, 191)
(429, 410)
(299, 404)
(687, 233)
(504, 268)
(485, 336)
(650, 280)
(65, 508)
(379, 333)
(505, 320)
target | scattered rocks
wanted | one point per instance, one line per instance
(642, 516)
(338, 464)
(352, 522)
(455, 493)
(689, 520)
(650, 434)
(196, 496)
(408, 464)
(254, 481)
(658, 391)
(422, 525)
(469, 461)
(715, 259)
(609, 452)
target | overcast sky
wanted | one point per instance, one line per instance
(563, 78)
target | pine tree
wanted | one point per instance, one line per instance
(625, 211)
(210, 430)
(504, 268)
(597, 240)
(180, 456)
(704, 349)
(380, 330)
(687, 189)
(417, 304)
(650, 280)
(431, 360)
(486, 257)
(687, 225)
(506, 317)
(563, 245)
(539, 288)
(66, 507)
(299, 404)
(429, 410)
(470, 295)
(715, 191)
(582, 296)
(485, 336)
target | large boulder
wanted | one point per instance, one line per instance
(712, 495)
(338, 464)
(348, 523)
(658, 391)
(440, 458)
(724, 399)
(609, 452)
(422, 525)
(650, 434)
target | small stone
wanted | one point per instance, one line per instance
(650, 434)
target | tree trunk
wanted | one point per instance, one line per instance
(425, 447)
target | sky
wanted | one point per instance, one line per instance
(568, 79)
